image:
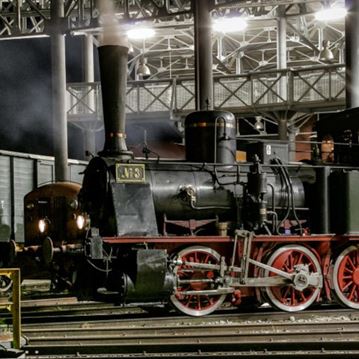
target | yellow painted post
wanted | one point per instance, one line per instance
(16, 308)
(14, 305)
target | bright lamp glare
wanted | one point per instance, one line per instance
(42, 225)
(80, 221)
(330, 14)
(229, 24)
(140, 33)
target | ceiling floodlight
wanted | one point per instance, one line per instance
(143, 70)
(326, 54)
(259, 125)
(229, 24)
(140, 33)
(331, 13)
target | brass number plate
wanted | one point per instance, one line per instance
(130, 173)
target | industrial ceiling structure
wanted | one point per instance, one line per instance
(170, 51)
(283, 67)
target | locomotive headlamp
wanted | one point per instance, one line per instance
(74, 204)
(80, 221)
(30, 205)
(42, 225)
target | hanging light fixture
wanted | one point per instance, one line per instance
(143, 70)
(161, 67)
(326, 55)
(259, 125)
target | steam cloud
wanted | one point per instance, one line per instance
(112, 32)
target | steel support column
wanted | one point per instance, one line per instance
(352, 53)
(282, 64)
(282, 50)
(58, 66)
(239, 63)
(283, 128)
(89, 76)
(89, 72)
(203, 54)
(292, 133)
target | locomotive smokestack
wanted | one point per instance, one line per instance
(113, 53)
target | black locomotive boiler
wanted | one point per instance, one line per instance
(199, 232)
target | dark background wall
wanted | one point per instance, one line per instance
(26, 101)
(25, 95)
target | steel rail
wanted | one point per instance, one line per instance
(217, 341)
(229, 315)
(323, 333)
(201, 331)
(264, 354)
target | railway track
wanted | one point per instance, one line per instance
(326, 334)
(68, 308)
(65, 328)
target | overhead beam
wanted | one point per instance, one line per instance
(245, 4)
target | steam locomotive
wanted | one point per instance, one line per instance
(210, 229)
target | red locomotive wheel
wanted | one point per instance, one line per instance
(194, 279)
(289, 258)
(346, 277)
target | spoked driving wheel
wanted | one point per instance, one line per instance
(5, 283)
(346, 277)
(294, 259)
(191, 279)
